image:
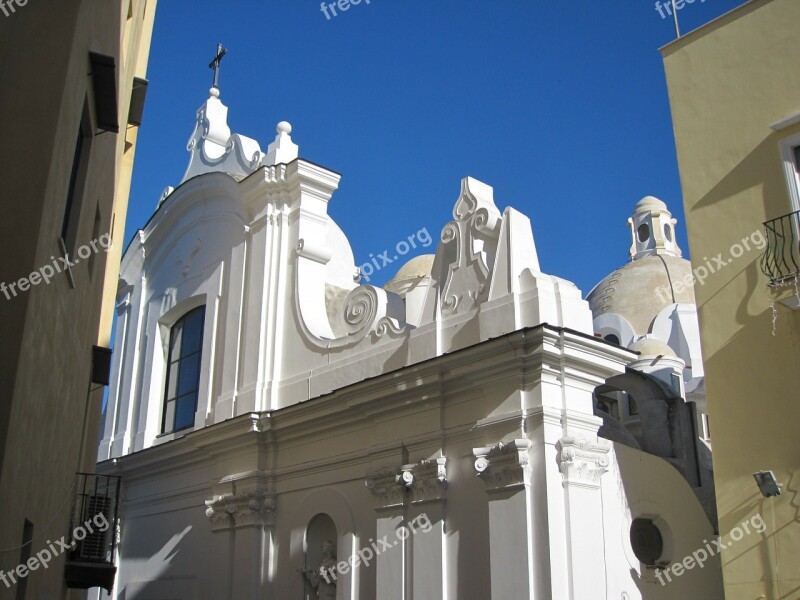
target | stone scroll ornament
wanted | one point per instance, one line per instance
(582, 461)
(470, 243)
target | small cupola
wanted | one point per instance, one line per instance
(652, 230)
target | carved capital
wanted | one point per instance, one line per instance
(503, 466)
(581, 461)
(247, 509)
(244, 501)
(425, 481)
(430, 481)
(388, 487)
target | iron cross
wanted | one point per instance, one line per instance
(214, 64)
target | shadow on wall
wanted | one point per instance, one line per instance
(655, 491)
(154, 567)
(643, 413)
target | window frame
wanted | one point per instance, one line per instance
(791, 168)
(79, 175)
(172, 362)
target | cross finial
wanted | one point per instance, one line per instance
(214, 64)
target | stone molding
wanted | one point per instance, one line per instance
(248, 504)
(582, 461)
(424, 481)
(504, 466)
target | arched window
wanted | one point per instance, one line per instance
(183, 371)
(643, 232)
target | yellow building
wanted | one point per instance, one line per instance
(72, 77)
(734, 88)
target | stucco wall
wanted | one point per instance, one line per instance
(728, 82)
(48, 424)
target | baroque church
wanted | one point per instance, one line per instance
(475, 429)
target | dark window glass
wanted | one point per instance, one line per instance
(183, 371)
(77, 182)
(646, 541)
(643, 232)
(675, 380)
(24, 555)
(73, 183)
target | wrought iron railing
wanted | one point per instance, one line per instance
(781, 259)
(93, 532)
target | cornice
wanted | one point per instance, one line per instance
(504, 466)
(440, 380)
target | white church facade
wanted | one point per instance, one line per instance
(283, 430)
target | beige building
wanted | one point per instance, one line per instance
(72, 93)
(734, 89)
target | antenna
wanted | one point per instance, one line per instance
(675, 16)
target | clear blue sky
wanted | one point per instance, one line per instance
(560, 105)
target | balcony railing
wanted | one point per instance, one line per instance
(93, 529)
(781, 259)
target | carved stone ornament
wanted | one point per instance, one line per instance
(505, 465)
(425, 481)
(240, 510)
(430, 481)
(388, 487)
(581, 461)
(212, 147)
(470, 244)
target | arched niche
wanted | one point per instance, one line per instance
(333, 504)
(320, 531)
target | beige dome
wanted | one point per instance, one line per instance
(415, 269)
(641, 289)
(652, 347)
(649, 203)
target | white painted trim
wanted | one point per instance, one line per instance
(790, 169)
(160, 355)
(786, 122)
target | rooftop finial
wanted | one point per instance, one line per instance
(283, 150)
(214, 64)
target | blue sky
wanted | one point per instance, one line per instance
(560, 105)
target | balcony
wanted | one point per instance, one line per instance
(93, 531)
(781, 259)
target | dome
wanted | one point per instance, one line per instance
(652, 347)
(642, 288)
(415, 269)
(649, 203)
